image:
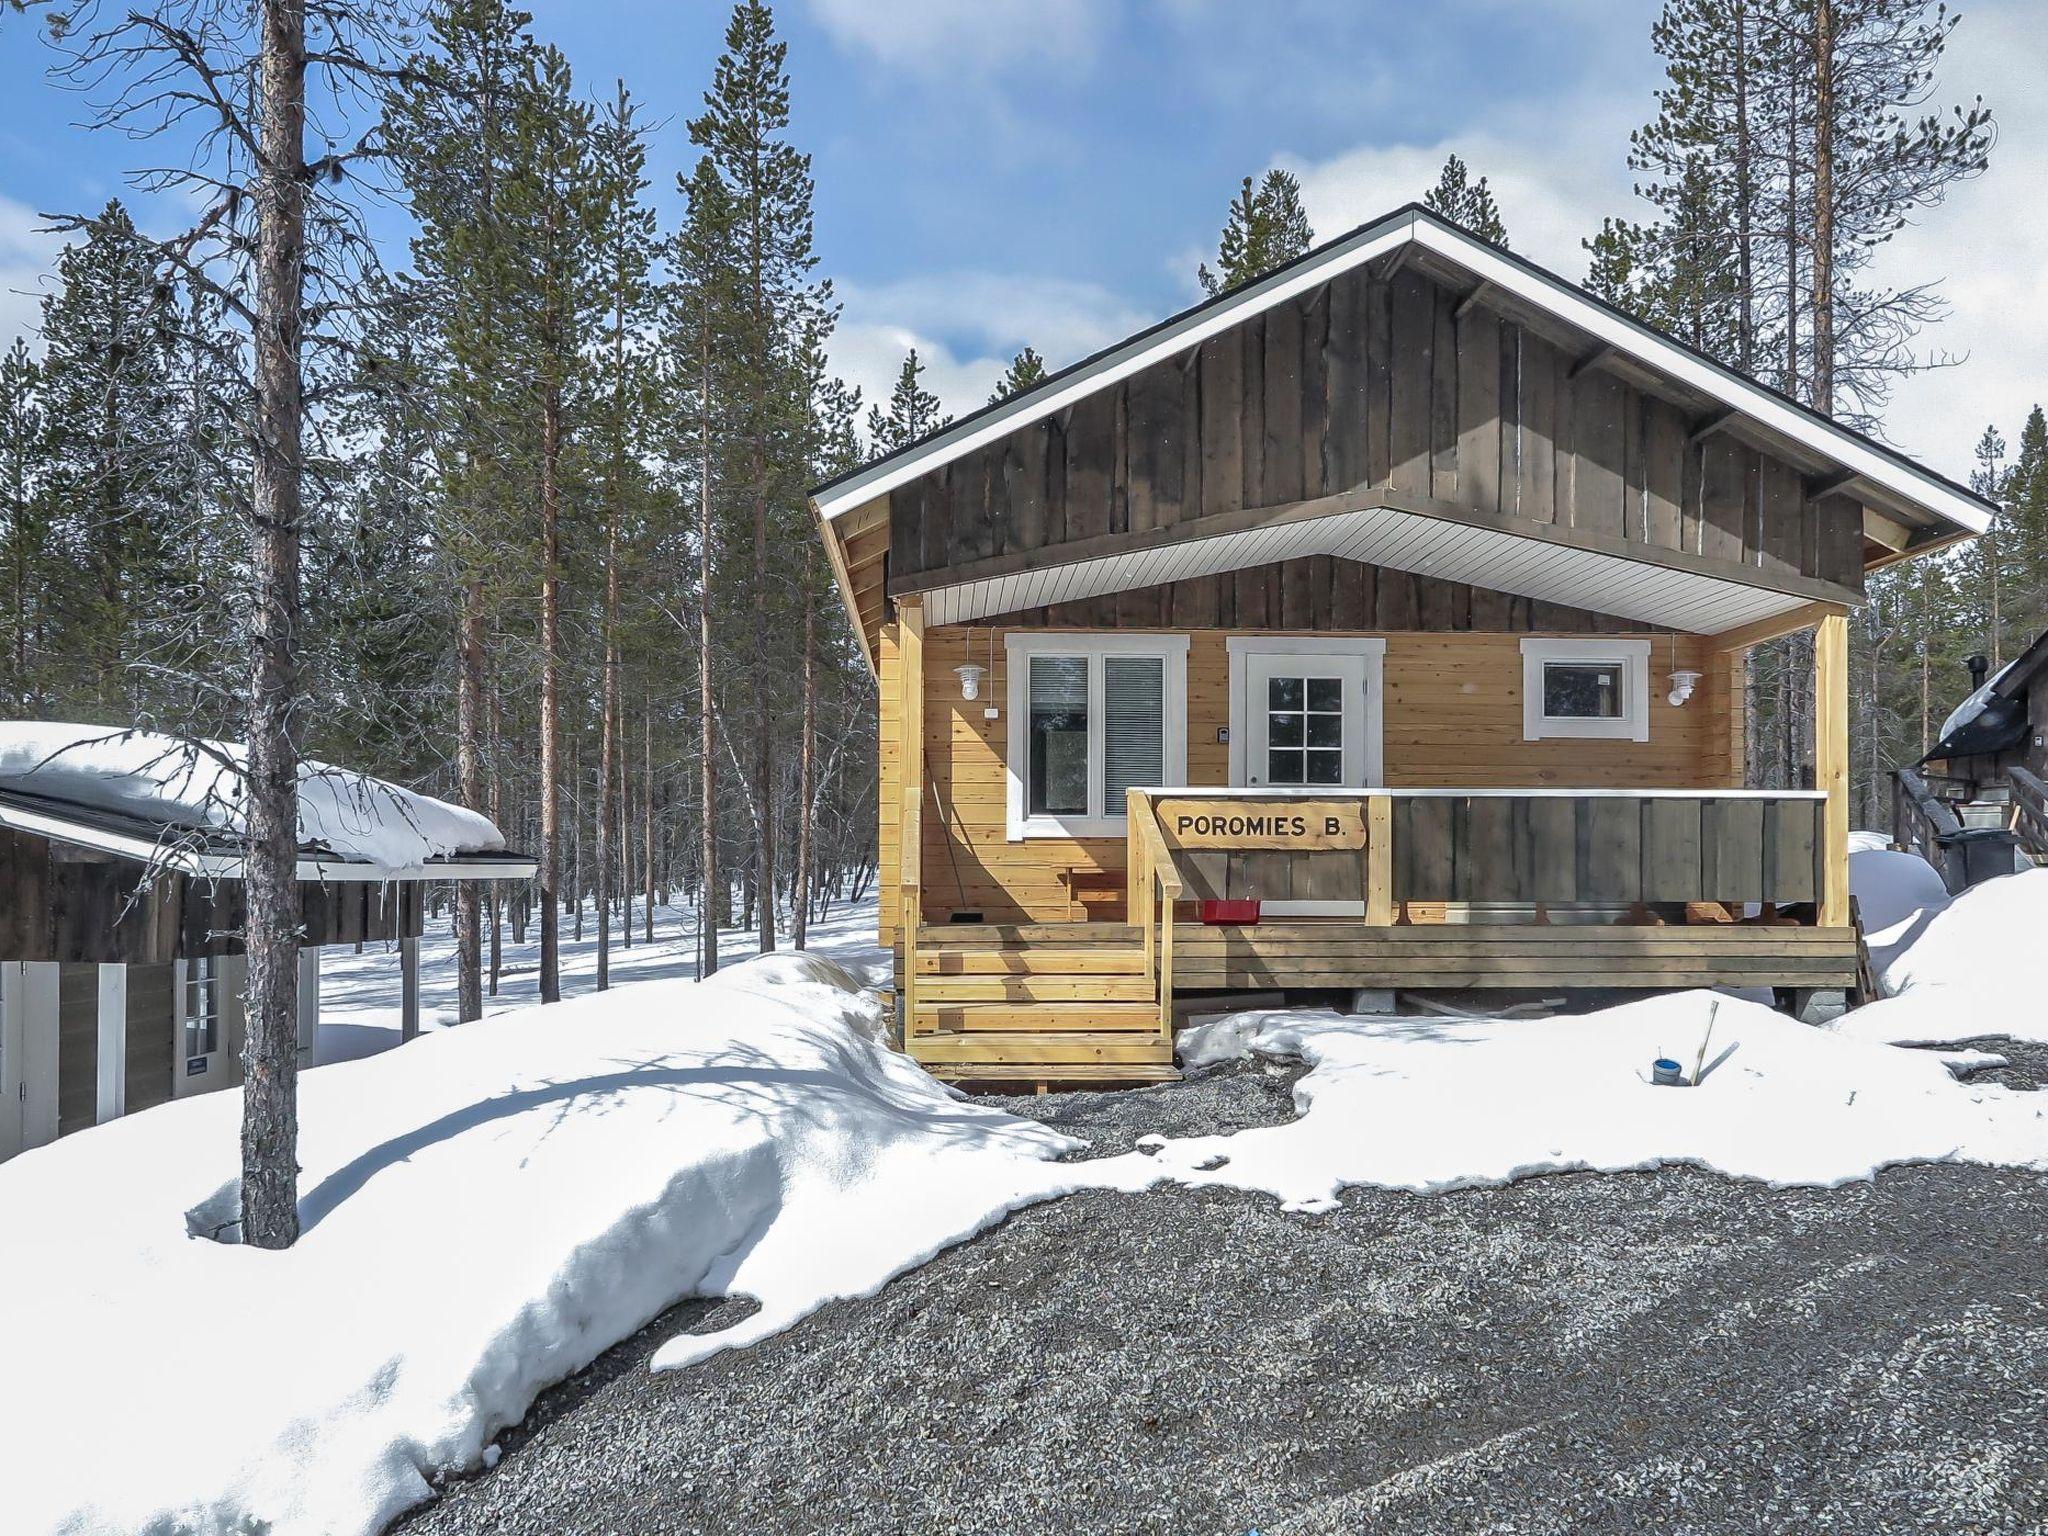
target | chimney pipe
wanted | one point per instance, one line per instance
(1979, 666)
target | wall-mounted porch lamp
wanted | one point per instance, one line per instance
(970, 679)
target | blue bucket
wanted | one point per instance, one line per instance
(1666, 1073)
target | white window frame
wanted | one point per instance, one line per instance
(1632, 724)
(1369, 650)
(1101, 820)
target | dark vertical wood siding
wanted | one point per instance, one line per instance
(151, 1049)
(1372, 381)
(78, 1047)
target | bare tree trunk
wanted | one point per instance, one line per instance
(607, 809)
(625, 858)
(807, 753)
(550, 687)
(713, 903)
(764, 745)
(270, 1056)
(469, 768)
(647, 812)
(497, 816)
(1824, 206)
(574, 895)
(1745, 193)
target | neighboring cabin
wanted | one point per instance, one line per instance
(121, 963)
(1987, 773)
(1429, 579)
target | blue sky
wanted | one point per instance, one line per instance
(996, 172)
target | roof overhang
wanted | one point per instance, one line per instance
(1909, 510)
(174, 850)
(1860, 463)
(1568, 566)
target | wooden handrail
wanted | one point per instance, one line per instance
(1151, 871)
(1920, 820)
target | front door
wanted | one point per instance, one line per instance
(1309, 718)
(1306, 715)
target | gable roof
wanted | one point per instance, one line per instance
(1953, 509)
(1996, 717)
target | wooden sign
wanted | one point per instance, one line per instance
(1297, 826)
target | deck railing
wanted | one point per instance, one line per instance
(1396, 851)
(1154, 886)
(2029, 810)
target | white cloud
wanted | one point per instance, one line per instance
(967, 326)
(27, 256)
(973, 39)
(1989, 246)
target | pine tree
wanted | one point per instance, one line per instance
(700, 311)
(780, 318)
(1466, 203)
(24, 528)
(553, 196)
(913, 411)
(624, 248)
(451, 134)
(110, 335)
(1026, 370)
(1265, 228)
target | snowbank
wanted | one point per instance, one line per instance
(202, 784)
(485, 1211)
(1897, 893)
(1437, 1104)
(1954, 970)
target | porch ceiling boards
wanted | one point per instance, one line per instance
(1570, 567)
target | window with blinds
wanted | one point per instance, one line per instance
(1092, 717)
(1133, 726)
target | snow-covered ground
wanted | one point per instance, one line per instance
(488, 1209)
(484, 1212)
(1951, 969)
(359, 992)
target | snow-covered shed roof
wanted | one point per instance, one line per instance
(1995, 717)
(181, 803)
(1909, 507)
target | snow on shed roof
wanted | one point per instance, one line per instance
(182, 802)
(1942, 499)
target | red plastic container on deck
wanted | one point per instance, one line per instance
(1218, 914)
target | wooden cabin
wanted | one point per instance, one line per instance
(1988, 773)
(1379, 624)
(121, 959)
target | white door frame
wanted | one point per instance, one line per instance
(28, 1074)
(1370, 649)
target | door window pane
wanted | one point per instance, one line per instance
(1305, 713)
(1058, 778)
(1582, 690)
(1133, 727)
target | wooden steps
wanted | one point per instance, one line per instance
(953, 1018)
(1039, 1004)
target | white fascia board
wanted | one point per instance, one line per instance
(172, 859)
(1562, 300)
(1373, 240)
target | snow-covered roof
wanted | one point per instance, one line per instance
(1941, 499)
(1995, 716)
(182, 803)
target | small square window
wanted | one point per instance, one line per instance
(1582, 691)
(1593, 688)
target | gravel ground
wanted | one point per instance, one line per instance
(1671, 1351)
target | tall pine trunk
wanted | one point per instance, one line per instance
(469, 769)
(550, 686)
(1823, 240)
(713, 903)
(807, 755)
(764, 744)
(647, 811)
(270, 1058)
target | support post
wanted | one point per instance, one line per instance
(910, 844)
(1379, 861)
(408, 987)
(1831, 762)
(1138, 876)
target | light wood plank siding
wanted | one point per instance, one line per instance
(1452, 718)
